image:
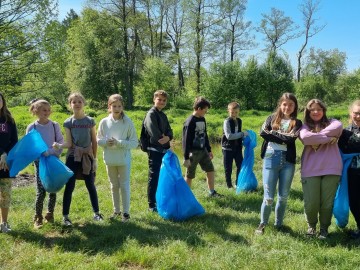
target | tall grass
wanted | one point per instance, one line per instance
(223, 238)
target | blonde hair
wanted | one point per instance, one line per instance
(355, 103)
(116, 97)
(161, 93)
(36, 104)
(233, 105)
(76, 95)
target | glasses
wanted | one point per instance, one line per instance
(356, 113)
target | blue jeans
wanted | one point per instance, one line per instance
(276, 168)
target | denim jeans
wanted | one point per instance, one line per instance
(276, 169)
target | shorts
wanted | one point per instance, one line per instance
(199, 157)
(5, 192)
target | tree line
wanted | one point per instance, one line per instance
(187, 47)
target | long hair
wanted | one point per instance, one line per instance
(355, 103)
(4, 112)
(35, 105)
(324, 121)
(278, 114)
(116, 97)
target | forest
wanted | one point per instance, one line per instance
(186, 47)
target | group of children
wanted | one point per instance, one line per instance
(321, 164)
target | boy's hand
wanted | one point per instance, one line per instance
(211, 155)
(164, 139)
(186, 163)
(246, 133)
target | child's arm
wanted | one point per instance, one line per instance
(100, 137)
(228, 134)
(67, 143)
(93, 141)
(131, 141)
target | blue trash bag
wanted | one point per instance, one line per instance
(246, 179)
(174, 198)
(341, 201)
(54, 174)
(25, 151)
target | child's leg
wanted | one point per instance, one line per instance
(51, 202)
(40, 193)
(210, 178)
(155, 159)
(112, 172)
(90, 185)
(5, 198)
(228, 157)
(124, 175)
(238, 161)
(70, 186)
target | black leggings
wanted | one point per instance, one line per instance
(70, 186)
(354, 193)
(41, 193)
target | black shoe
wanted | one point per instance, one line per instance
(214, 194)
(311, 232)
(323, 234)
(355, 234)
(115, 216)
(125, 217)
(153, 209)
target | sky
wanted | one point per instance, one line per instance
(342, 19)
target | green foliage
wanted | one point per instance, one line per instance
(155, 75)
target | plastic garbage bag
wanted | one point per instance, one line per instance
(246, 178)
(341, 201)
(174, 198)
(25, 151)
(54, 174)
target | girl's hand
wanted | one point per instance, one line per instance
(57, 146)
(333, 140)
(3, 164)
(110, 142)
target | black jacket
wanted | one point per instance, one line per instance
(234, 145)
(280, 138)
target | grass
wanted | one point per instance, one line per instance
(223, 238)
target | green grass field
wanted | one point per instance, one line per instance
(223, 238)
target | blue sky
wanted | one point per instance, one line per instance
(342, 19)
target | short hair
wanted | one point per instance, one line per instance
(72, 96)
(160, 93)
(233, 105)
(36, 104)
(201, 102)
(355, 103)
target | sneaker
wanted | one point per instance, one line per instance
(49, 217)
(38, 221)
(5, 227)
(115, 216)
(261, 229)
(230, 186)
(323, 234)
(214, 194)
(153, 209)
(125, 217)
(311, 232)
(355, 234)
(98, 217)
(67, 222)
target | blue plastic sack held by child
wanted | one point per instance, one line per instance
(54, 174)
(174, 198)
(25, 151)
(246, 178)
(341, 201)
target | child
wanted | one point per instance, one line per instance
(8, 138)
(80, 139)
(321, 166)
(158, 127)
(349, 143)
(50, 132)
(117, 135)
(231, 142)
(196, 146)
(278, 150)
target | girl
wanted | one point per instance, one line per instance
(8, 138)
(80, 139)
(117, 135)
(50, 132)
(349, 143)
(321, 166)
(278, 150)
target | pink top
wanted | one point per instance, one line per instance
(326, 160)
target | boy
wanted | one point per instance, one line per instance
(231, 142)
(196, 145)
(157, 126)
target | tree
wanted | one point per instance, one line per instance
(21, 26)
(277, 28)
(308, 10)
(235, 31)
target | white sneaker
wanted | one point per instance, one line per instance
(5, 227)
